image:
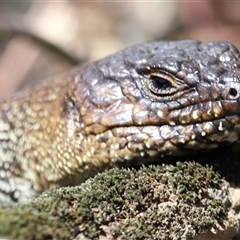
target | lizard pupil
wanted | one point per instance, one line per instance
(160, 83)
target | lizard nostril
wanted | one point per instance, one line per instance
(233, 92)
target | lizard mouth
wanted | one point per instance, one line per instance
(205, 112)
(194, 128)
(207, 122)
(198, 121)
(217, 130)
(152, 141)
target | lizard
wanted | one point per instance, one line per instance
(150, 102)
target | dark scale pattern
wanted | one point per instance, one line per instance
(146, 103)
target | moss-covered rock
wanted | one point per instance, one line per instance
(179, 201)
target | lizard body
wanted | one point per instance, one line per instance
(148, 102)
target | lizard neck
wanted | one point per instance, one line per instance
(37, 135)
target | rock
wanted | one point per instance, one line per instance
(182, 201)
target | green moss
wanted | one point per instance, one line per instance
(154, 202)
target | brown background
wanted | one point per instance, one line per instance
(39, 39)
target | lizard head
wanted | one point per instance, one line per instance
(164, 98)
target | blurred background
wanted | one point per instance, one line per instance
(41, 38)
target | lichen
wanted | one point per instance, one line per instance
(154, 202)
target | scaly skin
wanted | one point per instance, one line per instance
(139, 105)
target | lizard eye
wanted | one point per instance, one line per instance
(162, 84)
